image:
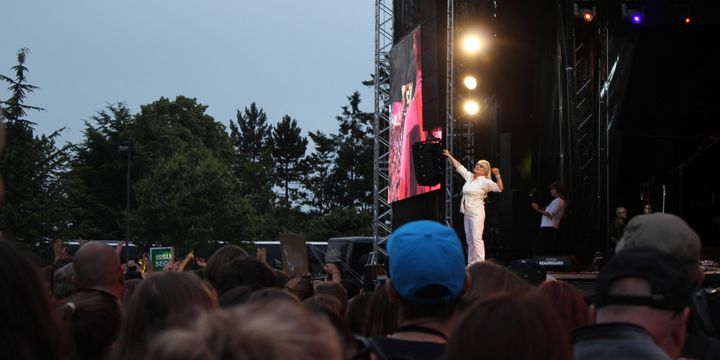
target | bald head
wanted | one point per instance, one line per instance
(97, 266)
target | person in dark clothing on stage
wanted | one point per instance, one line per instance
(617, 226)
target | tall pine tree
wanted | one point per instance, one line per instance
(252, 142)
(288, 152)
(32, 169)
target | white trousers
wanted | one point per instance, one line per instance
(474, 226)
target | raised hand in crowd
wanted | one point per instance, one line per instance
(171, 266)
(200, 262)
(333, 272)
(59, 250)
(119, 248)
(147, 262)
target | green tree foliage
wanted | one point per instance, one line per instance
(194, 184)
(165, 127)
(288, 152)
(183, 189)
(191, 200)
(181, 170)
(253, 164)
(99, 174)
(354, 162)
(14, 107)
(32, 169)
(340, 169)
(339, 222)
(318, 167)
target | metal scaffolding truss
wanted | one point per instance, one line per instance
(588, 126)
(450, 110)
(382, 211)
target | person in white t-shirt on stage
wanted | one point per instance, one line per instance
(546, 243)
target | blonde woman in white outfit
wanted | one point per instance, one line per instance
(477, 184)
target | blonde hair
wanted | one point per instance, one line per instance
(487, 167)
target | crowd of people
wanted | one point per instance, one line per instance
(432, 306)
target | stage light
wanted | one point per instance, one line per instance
(633, 11)
(687, 20)
(585, 10)
(473, 44)
(470, 82)
(471, 107)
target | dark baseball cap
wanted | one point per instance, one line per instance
(670, 286)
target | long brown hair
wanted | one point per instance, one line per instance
(488, 280)
(30, 329)
(161, 300)
(569, 303)
(509, 328)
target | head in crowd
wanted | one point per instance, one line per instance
(358, 312)
(488, 279)
(29, 328)
(383, 315)
(427, 270)
(47, 275)
(160, 301)
(235, 296)
(302, 287)
(97, 267)
(221, 257)
(63, 283)
(568, 302)
(667, 233)
(325, 301)
(328, 307)
(352, 287)
(130, 287)
(243, 271)
(268, 294)
(256, 330)
(648, 288)
(335, 290)
(528, 270)
(281, 278)
(509, 327)
(92, 322)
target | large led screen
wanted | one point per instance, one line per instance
(406, 117)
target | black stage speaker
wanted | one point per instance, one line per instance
(554, 263)
(428, 162)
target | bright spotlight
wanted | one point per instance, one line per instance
(585, 11)
(633, 11)
(471, 107)
(473, 44)
(687, 20)
(470, 82)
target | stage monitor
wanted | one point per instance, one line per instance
(406, 117)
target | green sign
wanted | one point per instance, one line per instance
(161, 256)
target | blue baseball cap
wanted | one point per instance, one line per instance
(427, 264)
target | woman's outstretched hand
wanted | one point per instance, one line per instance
(445, 153)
